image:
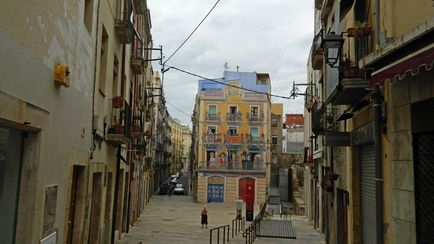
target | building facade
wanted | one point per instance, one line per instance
(186, 141)
(75, 105)
(233, 136)
(367, 123)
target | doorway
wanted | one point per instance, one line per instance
(95, 208)
(11, 145)
(76, 204)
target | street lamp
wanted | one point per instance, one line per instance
(332, 45)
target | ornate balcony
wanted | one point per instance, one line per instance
(213, 94)
(255, 119)
(235, 139)
(235, 167)
(211, 138)
(233, 117)
(257, 140)
(137, 61)
(120, 122)
(212, 117)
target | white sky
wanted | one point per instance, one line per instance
(269, 36)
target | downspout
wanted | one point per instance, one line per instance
(377, 22)
(93, 148)
(377, 100)
(314, 183)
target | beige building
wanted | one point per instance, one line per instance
(186, 141)
(232, 129)
(72, 95)
(368, 128)
(177, 146)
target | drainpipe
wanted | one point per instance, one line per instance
(377, 100)
(377, 22)
(115, 197)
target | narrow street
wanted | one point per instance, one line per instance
(176, 219)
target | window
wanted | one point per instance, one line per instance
(212, 129)
(103, 61)
(254, 111)
(274, 140)
(88, 14)
(274, 122)
(232, 131)
(233, 109)
(254, 131)
(115, 77)
(212, 110)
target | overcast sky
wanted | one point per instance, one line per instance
(267, 36)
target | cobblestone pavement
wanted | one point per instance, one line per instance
(176, 220)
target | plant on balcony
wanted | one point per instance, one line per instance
(360, 30)
(349, 70)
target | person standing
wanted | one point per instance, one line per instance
(204, 219)
(239, 207)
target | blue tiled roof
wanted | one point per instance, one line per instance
(246, 79)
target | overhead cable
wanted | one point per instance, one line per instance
(182, 44)
(225, 84)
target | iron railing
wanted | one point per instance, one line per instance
(238, 225)
(254, 228)
(225, 236)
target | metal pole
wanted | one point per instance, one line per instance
(218, 235)
(210, 236)
(377, 100)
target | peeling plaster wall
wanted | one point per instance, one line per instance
(34, 37)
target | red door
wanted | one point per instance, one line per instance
(247, 193)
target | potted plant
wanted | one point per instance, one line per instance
(360, 30)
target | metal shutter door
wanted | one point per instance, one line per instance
(367, 194)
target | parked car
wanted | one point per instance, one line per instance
(179, 189)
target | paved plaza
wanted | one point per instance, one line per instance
(176, 219)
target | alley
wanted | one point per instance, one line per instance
(176, 219)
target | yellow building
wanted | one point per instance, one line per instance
(233, 136)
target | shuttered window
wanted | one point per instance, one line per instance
(367, 194)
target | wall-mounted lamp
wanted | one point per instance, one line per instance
(332, 44)
(61, 75)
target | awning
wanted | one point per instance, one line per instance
(411, 64)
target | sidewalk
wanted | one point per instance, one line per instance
(176, 220)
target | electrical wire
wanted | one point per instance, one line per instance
(225, 84)
(182, 44)
(179, 109)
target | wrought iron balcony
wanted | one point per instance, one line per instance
(213, 117)
(255, 118)
(136, 127)
(258, 140)
(232, 166)
(120, 122)
(124, 28)
(137, 62)
(234, 139)
(211, 138)
(233, 117)
(351, 86)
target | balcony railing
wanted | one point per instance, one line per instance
(234, 117)
(234, 139)
(256, 139)
(120, 122)
(137, 62)
(213, 117)
(254, 96)
(136, 127)
(213, 94)
(211, 138)
(256, 118)
(232, 166)
(124, 28)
